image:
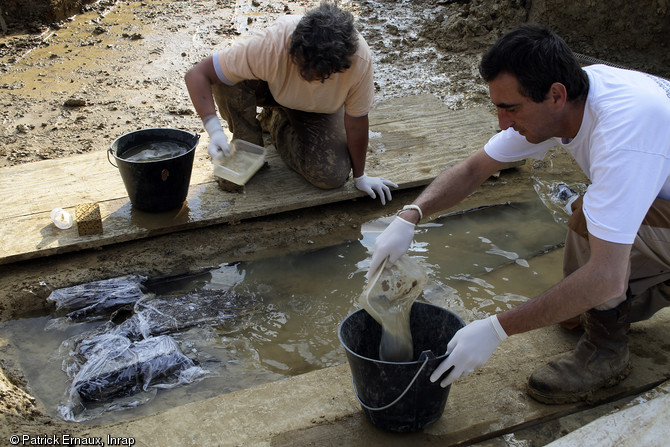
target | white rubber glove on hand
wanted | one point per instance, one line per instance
(392, 243)
(375, 185)
(218, 142)
(470, 348)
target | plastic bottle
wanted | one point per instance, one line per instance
(565, 195)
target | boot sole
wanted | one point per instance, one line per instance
(557, 399)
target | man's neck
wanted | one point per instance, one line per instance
(574, 118)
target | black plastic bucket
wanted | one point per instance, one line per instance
(160, 185)
(399, 396)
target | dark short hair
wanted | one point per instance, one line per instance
(324, 41)
(537, 57)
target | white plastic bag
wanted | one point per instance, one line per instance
(388, 298)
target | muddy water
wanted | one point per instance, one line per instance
(155, 151)
(478, 262)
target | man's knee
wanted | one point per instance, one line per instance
(328, 183)
(326, 168)
(645, 305)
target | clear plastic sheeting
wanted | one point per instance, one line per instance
(113, 366)
(388, 298)
(96, 300)
(155, 315)
(121, 363)
(558, 197)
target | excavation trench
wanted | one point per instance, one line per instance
(252, 322)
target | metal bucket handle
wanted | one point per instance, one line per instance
(109, 151)
(426, 355)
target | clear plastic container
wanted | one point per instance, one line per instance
(242, 164)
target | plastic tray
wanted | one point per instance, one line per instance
(240, 166)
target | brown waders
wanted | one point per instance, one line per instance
(601, 357)
(312, 144)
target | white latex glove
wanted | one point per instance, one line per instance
(218, 142)
(375, 185)
(470, 348)
(392, 243)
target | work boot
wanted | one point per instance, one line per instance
(601, 359)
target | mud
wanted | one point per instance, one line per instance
(74, 85)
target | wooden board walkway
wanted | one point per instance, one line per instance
(412, 140)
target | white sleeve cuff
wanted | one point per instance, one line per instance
(219, 71)
(500, 332)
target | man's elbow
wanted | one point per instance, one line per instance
(480, 166)
(188, 77)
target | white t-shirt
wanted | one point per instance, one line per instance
(266, 56)
(623, 146)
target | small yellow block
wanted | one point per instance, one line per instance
(89, 220)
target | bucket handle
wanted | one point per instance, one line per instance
(427, 355)
(109, 151)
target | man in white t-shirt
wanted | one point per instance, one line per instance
(616, 124)
(313, 76)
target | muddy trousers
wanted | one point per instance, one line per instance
(648, 267)
(312, 144)
(601, 357)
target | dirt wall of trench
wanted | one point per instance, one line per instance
(631, 34)
(16, 13)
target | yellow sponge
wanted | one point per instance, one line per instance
(89, 220)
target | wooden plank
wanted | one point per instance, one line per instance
(412, 140)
